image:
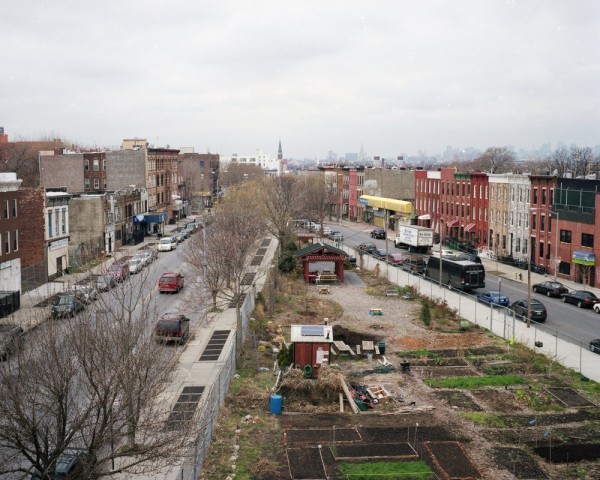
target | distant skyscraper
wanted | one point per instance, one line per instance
(361, 154)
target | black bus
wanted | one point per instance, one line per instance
(461, 274)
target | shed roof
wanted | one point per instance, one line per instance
(319, 249)
(312, 334)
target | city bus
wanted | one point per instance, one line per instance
(462, 274)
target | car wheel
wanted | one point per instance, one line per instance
(564, 300)
(548, 293)
(535, 290)
(579, 304)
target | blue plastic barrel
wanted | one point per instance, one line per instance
(275, 404)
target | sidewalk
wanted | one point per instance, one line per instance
(29, 316)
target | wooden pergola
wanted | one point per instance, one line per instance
(321, 252)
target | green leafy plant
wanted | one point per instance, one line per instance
(425, 312)
(475, 382)
(386, 470)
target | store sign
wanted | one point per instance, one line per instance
(584, 258)
(63, 243)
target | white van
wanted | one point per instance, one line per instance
(167, 244)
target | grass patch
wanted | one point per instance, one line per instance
(486, 419)
(386, 470)
(475, 382)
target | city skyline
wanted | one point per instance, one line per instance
(234, 77)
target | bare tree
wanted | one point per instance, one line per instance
(231, 242)
(280, 201)
(575, 163)
(96, 382)
(21, 159)
(317, 196)
(237, 173)
(495, 160)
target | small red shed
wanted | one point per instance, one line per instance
(312, 344)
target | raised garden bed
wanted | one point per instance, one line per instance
(569, 397)
(449, 460)
(518, 462)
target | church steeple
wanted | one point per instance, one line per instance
(280, 152)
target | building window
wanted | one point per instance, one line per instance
(96, 183)
(535, 196)
(64, 220)
(104, 164)
(518, 248)
(541, 249)
(6, 209)
(86, 164)
(96, 165)
(16, 241)
(491, 238)
(87, 183)
(7, 242)
(565, 236)
(14, 212)
(564, 268)
(543, 196)
(534, 221)
(524, 246)
(542, 223)
(503, 242)
(57, 219)
(587, 240)
(49, 224)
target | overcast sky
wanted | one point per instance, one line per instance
(234, 76)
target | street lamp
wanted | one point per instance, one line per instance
(556, 261)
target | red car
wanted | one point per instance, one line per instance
(170, 282)
(396, 258)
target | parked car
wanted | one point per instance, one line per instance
(595, 345)
(493, 297)
(471, 257)
(185, 233)
(150, 255)
(167, 244)
(337, 236)
(68, 466)
(11, 339)
(327, 231)
(538, 311)
(67, 305)
(396, 258)
(550, 289)
(378, 233)
(143, 258)
(172, 327)
(170, 282)
(120, 271)
(414, 264)
(87, 290)
(534, 268)
(177, 237)
(105, 282)
(367, 247)
(581, 298)
(192, 226)
(380, 253)
(135, 265)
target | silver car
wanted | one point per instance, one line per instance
(87, 290)
(150, 255)
(135, 265)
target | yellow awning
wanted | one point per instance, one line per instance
(399, 206)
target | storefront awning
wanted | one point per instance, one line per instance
(425, 217)
(469, 227)
(453, 223)
(398, 206)
(584, 258)
(155, 217)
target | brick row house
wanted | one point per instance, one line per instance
(546, 220)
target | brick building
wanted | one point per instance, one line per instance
(198, 179)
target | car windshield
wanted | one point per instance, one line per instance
(167, 278)
(555, 285)
(134, 262)
(115, 268)
(64, 300)
(104, 279)
(165, 240)
(587, 294)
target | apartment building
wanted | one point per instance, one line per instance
(56, 231)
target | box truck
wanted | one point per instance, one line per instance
(415, 238)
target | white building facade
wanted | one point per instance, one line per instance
(56, 232)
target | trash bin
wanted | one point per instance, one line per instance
(276, 404)
(381, 346)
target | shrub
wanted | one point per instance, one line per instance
(425, 312)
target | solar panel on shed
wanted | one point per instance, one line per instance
(312, 331)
